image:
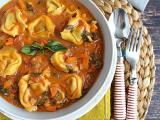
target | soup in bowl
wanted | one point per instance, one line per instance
(57, 58)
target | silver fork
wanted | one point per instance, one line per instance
(132, 56)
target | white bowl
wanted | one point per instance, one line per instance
(94, 95)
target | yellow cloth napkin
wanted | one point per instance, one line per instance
(100, 112)
(2, 117)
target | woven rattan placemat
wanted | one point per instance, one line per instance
(146, 65)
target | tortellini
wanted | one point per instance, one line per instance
(55, 7)
(75, 29)
(58, 61)
(13, 23)
(25, 94)
(74, 86)
(57, 93)
(41, 86)
(10, 61)
(41, 27)
(26, 89)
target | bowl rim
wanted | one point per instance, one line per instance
(101, 91)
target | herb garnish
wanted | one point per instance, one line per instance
(53, 46)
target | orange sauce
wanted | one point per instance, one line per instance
(37, 63)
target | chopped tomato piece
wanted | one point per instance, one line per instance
(54, 89)
(7, 84)
(94, 28)
(51, 108)
(9, 42)
(28, 40)
(71, 60)
(85, 60)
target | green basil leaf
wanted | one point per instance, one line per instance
(29, 50)
(55, 46)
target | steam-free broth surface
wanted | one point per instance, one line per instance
(51, 53)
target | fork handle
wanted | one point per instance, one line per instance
(119, 92)
(132, 102)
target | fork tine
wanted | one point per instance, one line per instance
(139, 39)
(129, 38)
(133, 40)
(136, 40)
